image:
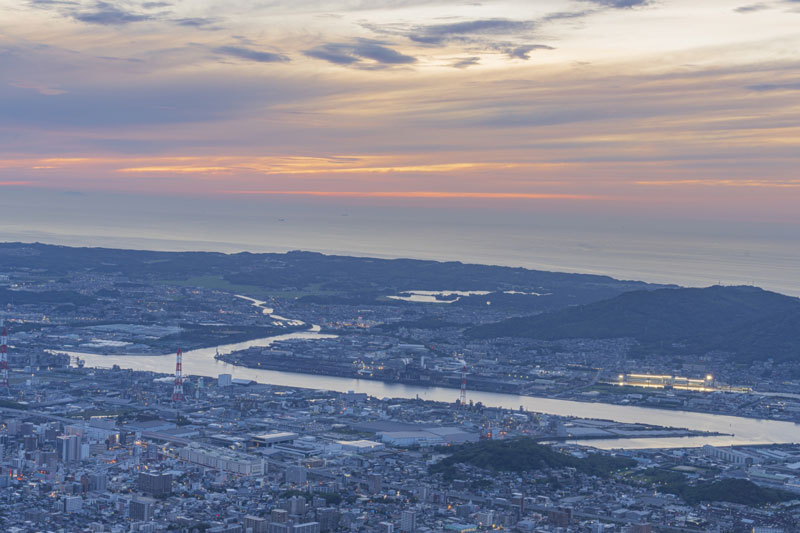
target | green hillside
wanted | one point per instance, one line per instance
(524, 455)
(750, 322)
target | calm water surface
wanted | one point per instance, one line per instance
(674, 249)
(201, 362)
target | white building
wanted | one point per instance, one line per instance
(223, 459)
(360, 446)
(72, 504)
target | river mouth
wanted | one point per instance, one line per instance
(730, 430)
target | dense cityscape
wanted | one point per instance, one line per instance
(199, 444)
(399, 266)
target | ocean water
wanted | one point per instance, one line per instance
(663, 249)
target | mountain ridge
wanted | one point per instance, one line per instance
(749, 322)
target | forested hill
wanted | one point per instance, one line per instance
(749, 322)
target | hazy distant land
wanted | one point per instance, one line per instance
(745, 321)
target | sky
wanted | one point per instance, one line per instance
(672, 110)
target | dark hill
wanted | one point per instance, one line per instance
(524, 455)
(750, 322)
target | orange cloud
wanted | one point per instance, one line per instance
(311, 165)
(176, 169)
(771, 184)
(425, 194)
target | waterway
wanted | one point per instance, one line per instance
(201, 362)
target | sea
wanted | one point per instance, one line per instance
(635, 245)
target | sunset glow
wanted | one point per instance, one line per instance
(597, 98)
(421, 194)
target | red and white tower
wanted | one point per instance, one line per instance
(177, 389)
(3, 357)
(463, 397)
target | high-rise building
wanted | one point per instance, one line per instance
(374, 483)
(141, 509)
(485, 518)
(68, 448)
(297, 505)
(408, 521)
(328, 518)
(279, 516)
(3, 358)
(385, 527)
(72, 504)
(296, 475)
(519, 500)
(155, 484)
(255, 524)
(30, 443)
(560, 517)
(98, 481)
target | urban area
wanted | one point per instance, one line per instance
(198, 441)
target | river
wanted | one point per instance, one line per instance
(201, 362)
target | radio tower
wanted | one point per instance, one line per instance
(463, 397)
(3, 357)
(177, 389)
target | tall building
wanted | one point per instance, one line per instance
(328, 518)
(72, 504)
(297, 505)
(374, 483)
(296, 475)
(155, 484)
(408, 521)
(3, 357)
(98, 481)
(560, 517)
(68, 448)
(485, 518)
(141, 509)
(385, 527)
(255, 524)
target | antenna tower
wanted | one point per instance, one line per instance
(177, 389)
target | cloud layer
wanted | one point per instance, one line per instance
(553, 99)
